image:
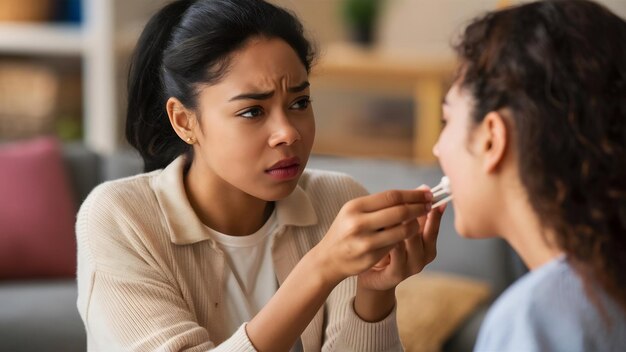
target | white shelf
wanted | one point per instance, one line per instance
(41, 39)
(108, 32)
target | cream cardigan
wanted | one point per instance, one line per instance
(151, 278)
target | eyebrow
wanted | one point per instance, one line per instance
(299, 88)
(266, 95)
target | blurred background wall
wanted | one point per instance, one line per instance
(63, 66)
(421, 25)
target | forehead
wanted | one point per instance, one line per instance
(262, 60)
(456, 92)
(458, 97)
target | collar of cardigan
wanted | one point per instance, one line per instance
(186, 228)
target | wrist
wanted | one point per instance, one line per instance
(374, 305)
(285, 316)
(321, 269)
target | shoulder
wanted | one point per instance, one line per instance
(119, 197)
(544, 310)
(118, 212)
(509, 324)
(120, 226)
(329, 185)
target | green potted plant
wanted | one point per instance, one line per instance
(361, 17)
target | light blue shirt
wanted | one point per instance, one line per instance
(548, 310)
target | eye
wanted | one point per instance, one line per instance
(251, 113)
(301, 104)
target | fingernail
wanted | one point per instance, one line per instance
(429, 196)
(428, 206)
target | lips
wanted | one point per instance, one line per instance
(285, 163)
(285, 169)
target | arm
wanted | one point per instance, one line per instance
(346, 331)
(364, 230)
(283, 319)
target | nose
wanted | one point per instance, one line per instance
(436, 149)
(283, 131)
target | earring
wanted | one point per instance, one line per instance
(190, 140)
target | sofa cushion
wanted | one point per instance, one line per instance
(432, 306)
(37, 211)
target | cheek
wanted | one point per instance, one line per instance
(472, 209)
(230, 149)
(448, 153)
(306, 128)
(471, 225)
(458, 164)
(466, 215)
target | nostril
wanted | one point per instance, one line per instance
(285, 140)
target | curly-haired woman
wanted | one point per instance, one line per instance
(535, 150)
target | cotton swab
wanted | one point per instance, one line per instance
(441, 192)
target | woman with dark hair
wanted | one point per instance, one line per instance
(226, 242)
(535, 150)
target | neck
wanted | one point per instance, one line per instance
(223, 207)
(522, 229)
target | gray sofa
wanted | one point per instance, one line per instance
(42, 315)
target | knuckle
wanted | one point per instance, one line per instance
(415, 226)
(432, 256)
(404, 212)
(394, 196)
(396, 232)
(408, 229)
(350, 206)
(353, 225)
(362, 248)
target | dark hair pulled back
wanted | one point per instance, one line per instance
(559, 67)
(188, 43)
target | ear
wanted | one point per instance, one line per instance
(494, 142)
(182, 119)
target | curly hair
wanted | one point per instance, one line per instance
(559, 67)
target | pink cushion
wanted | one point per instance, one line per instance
(37, 211)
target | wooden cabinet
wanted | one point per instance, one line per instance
(423, 80)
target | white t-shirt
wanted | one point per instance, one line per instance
(251, 280)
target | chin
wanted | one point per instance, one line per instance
(470, 232)
(281, 192)
(470, 236)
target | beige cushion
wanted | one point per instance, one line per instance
(431, 306)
